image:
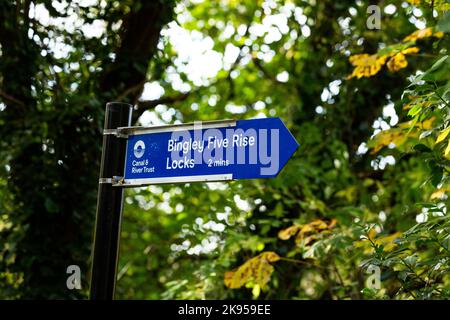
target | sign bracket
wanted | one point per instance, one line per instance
(115, 132)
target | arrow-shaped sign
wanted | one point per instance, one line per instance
(206, 151)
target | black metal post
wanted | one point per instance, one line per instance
(109, 205)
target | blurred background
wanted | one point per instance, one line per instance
(360, 212)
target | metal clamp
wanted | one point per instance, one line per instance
(115, 132)
(116, 180)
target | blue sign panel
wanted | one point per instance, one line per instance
(207, 151)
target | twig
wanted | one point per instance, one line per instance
(301, 262)
(11, 98)
(259, 65)
(338, 274)
(147, 104)
(133, 89)
(413, 272)
(439, 96)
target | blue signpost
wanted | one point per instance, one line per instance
(206, 151)
(201, 151)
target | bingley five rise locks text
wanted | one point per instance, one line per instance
(188, 149)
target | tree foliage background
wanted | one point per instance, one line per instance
(365, 194)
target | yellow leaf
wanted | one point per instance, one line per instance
(425, 125)
(332, 223)
(230, 280)
(285, 234)
(372, 233)
(397, 62)
(307, 233)
(366, 65)
(440, 193)
(428, 124)
(447, 150)
(437, 194)
(349, 193)
(270, 256)
(439, 5)
(256, 291)
(319, 224)
(443, 134)
(419, 34)
(263, 272)
(410, 50)
(386, 137)
(407, 106)
(313, 231)
(257, 269)
(386, 241)
(389, 247)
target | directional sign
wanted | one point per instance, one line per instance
(206, 151)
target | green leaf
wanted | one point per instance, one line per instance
(411, 260)
(444, 23)
(436, 65)
(51, 206)
(369, 293)
(421, 148)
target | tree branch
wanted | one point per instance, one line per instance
(11, 98)
(139, 38)
(231, 93)
(259, 65)
(149, 104)
(133, 90)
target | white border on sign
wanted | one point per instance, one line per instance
(182, 179)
